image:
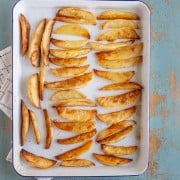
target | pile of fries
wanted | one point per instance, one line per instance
(116, 49)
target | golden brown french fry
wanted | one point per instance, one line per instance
(76, 152)
(122, 100)
(25, 30)
(76, 127)
(114, 128)
(69, 71)
(120, 63)
(122, 53)
(118, 150)
(117, 116)
(79, 138)
(77, 163)
(45, 42)
(115, 14)
(69, 44)
(119, 23)
(76, 82)
(66, 54)
(75, 30)
(120, 77)
(111, 160)
(49, 129)
(68, 62)
(122, 86)
(34, 48)
(110, 46)
(41, 81)
(24, 122)
(79, 115)
(35, 126)
(33, 90)
(37, 161)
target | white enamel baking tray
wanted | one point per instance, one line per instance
(35, 10)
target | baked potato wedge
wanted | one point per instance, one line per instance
(78, 138)
(41, 81)
(110, 160)
(76, 152)
(76, 82)
(37, 161)
(77, 163)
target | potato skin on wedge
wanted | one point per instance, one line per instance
(77, 163)
(41, 81)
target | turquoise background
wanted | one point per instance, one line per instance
(164, 94)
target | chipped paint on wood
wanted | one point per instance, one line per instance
(175, 86)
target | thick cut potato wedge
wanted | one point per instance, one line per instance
(24, 122)
(122, 100)
(35, 126)
(67, 94)
(118, 150)
(69, 44)
(68, 62)
(120, 63)
(77, 163)
(115, 14)
(69, 71)
(111, 160)
(76, 152)
(49, 129)
(115, 117)
(114, 128)
(66, 54)
(120, 33)
(110, 46)
(119, 23)
(122, 86)
(37, 161)
(76, 82)
(79, 138)
(78, 115)
(120, 77)
(122, 53)
(25, 31)
(75, 30)
(41, 81)
(117, 136)
(45, 42)
(34, 48)
(33, 90)
(74, 102)
(76, 127)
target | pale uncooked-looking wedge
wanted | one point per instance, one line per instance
(118, 150)
(75, 30)
(77, 163)
(77, 44)
(114, 128)
(67, 94)
(122, 53)
(120, 33)
(120, 77)
(37, 161)
(76, 127)
(34, 48)
(117, 116)
(68, 62)
(69, 71)
(120, 63)
(76, 82)
(41, 81)
(79, 138)
(122, 86)
(76, 152)
(115, 14)
(122, 100)
(110, 160)
(66, 54)
(79, 115)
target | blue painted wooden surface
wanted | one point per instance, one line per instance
(165, 93)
